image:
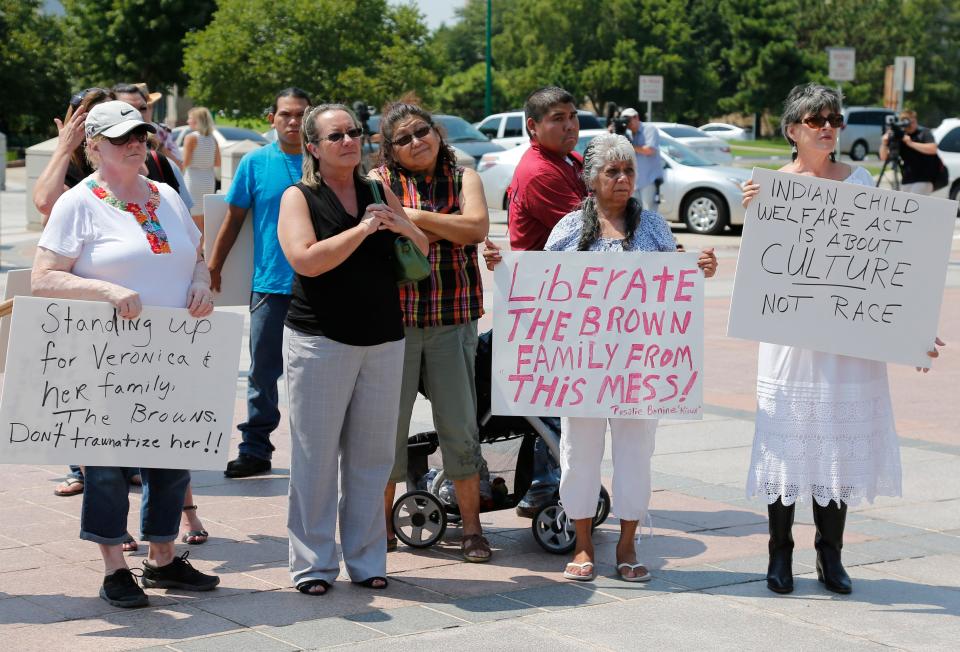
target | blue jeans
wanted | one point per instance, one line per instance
(103, 517)
(546, 471)
(267, 312)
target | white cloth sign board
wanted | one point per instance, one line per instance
(236, 278)
(842, 268)
(595, 334)
(92, 388)
(18, 285)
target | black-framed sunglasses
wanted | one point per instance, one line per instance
(78, 97)
(337, 136)
(420, 133)
(817, 121)
(140, 134)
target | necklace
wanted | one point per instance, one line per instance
(147, 219)
(286, 166)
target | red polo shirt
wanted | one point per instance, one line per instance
(545, 187)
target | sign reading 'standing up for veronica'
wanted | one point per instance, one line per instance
(84, 386)
(842, 268)
(591, 334)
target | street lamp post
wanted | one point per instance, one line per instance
(488, 95)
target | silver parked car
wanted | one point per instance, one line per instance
(705, 145)
(703, 195)
(862, 130)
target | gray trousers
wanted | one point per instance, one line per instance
(343, 418)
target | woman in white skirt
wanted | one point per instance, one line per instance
(824, 425)
(610, 220)
(200, 156)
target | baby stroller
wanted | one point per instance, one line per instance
(420, 516)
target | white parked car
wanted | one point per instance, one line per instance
(709, 147)
(862, 131)
(726, 131)
(703, 195)
(947, 136)
(510, 129)
(223, 135)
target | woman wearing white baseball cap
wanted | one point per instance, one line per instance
(121, 238)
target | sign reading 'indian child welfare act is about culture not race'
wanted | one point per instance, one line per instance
(842, 268)
(84, 386)
(592, 334)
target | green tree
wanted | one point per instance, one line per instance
(33, 79)
(336, 50)
(764, 55)
(110, 41)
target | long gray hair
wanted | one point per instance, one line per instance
(808, 99)
(603, 150)
(310, 134)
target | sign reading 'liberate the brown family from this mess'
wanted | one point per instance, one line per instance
(842, 268)
(598, 334)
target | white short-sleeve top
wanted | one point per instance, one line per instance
(150, 249)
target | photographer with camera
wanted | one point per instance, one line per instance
(646, 143)
(913, 147)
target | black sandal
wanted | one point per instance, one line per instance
(305, 586)
(368, 583)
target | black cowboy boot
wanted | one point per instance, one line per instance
(830, 521)
(780, 569)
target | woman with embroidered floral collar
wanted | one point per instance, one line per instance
(118, 237)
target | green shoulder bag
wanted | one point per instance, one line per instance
(409, 263)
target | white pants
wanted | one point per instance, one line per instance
(581, 454)
(918, 187)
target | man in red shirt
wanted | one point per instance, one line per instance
(546, 185)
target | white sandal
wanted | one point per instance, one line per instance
(634, 567)
(580, 578)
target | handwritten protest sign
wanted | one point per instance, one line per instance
(842, 268)
(593, 334)
(84, 386)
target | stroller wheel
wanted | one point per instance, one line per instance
(603, 507)
(553, 530)
(419, 519)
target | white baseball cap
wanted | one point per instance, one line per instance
(629, 113)
(113, 119)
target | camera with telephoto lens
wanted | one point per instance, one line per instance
(620, 126)
(363, 115)
(896, 128)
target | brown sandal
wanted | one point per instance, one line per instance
(475, 549)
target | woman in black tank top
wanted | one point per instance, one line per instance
(344, 350)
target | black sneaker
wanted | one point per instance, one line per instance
(120, 589)
(245, 466)
(178, 574)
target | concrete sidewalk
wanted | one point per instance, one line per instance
(707, 555)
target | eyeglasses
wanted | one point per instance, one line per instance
(337, 136)
(420, 133)
(817, 121)
(78, 97)
(140, 134)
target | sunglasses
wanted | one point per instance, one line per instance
(337, 136)
(140, 134)
(817, 121)
(78, 97)
(419, 133)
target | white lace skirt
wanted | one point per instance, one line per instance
(824, 429)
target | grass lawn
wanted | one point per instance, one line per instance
(759, 148)
(257, 124)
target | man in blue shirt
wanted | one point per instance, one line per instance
(646, 143)
(258, 185)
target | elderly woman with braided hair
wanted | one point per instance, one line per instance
(610, 219)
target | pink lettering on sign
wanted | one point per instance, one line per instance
(626, 342)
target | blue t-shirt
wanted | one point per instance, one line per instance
(259, 183)
(649, 168)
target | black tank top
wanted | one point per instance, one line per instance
(357, 302)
